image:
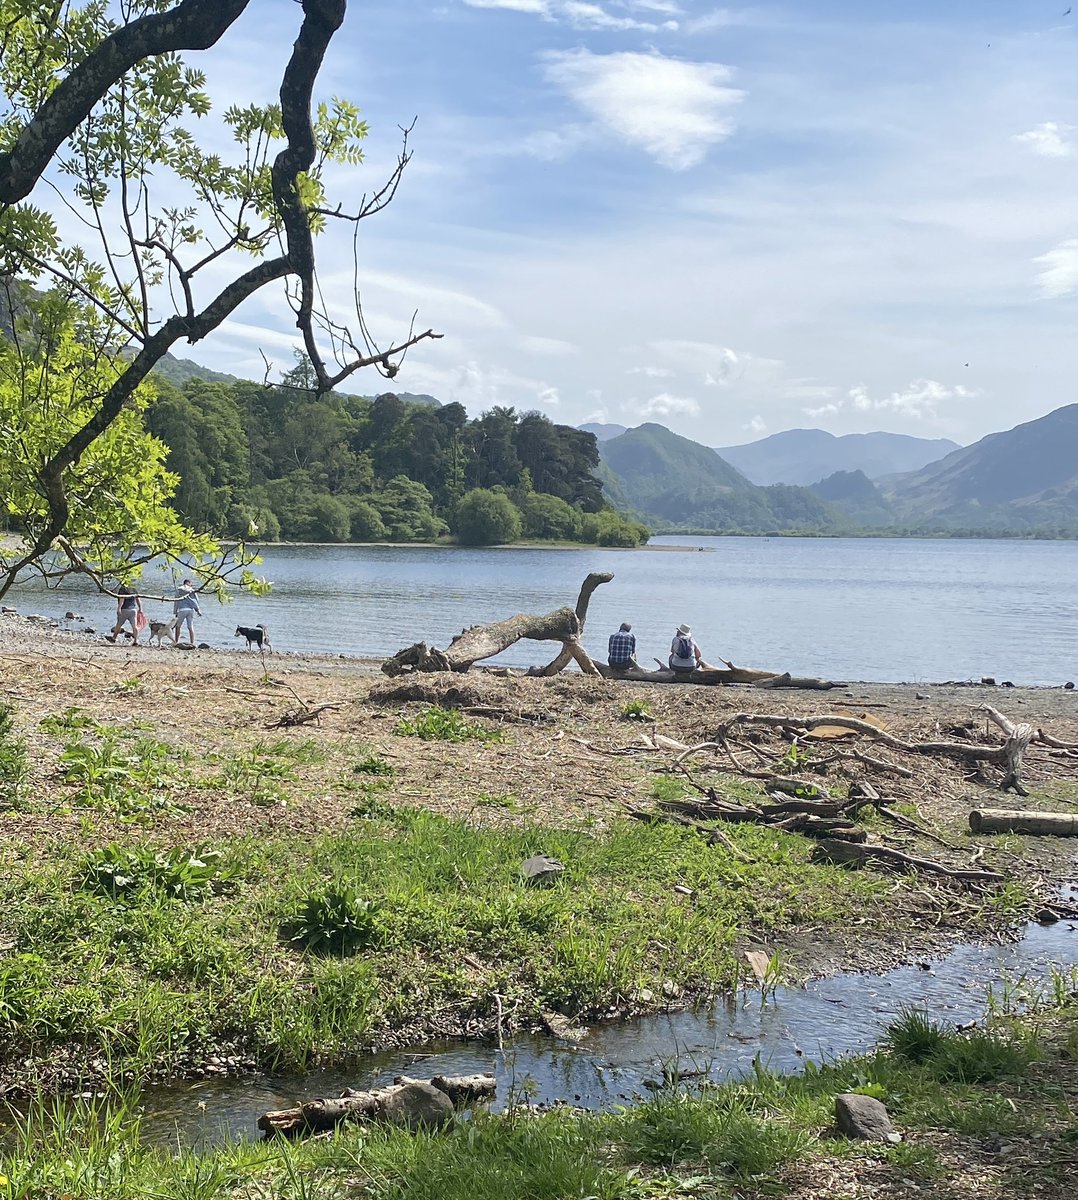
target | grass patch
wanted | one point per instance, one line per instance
(446, 725)
(13, 765)
(725, 1141)
(272, 966)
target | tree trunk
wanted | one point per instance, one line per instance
(1016, 820)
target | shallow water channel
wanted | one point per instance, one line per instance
(614, 1063)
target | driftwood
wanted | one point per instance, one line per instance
(1008, 755)
(1012, 820)
(302, 716)
(835, 851)
(316, 1116)
(484, 641)
(808, 815)
(719, 677)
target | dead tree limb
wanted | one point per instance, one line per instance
(567, 653)
(858, 856)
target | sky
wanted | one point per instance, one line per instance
(733, 221)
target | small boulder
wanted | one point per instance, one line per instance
(540, 869)
(418, 1105)
(864, 1117)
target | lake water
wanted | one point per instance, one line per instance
(865, 609)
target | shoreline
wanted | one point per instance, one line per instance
(541, 765)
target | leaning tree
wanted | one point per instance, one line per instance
(117, 227)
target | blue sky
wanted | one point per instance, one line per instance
(733, 220)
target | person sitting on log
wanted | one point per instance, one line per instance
(685, 654)
(621, 649)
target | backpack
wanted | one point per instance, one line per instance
(684, 647)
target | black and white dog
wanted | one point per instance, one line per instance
(256, 636)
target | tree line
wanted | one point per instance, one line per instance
(283, 461)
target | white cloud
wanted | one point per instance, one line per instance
(539, 7)
(675, 110)
(546, 345)
(593, 16)
(650, 371)
(757, 425)
(580, 14)
(666, 405)
(919, 400)
(1048, 139)
(1059, 276)
(552, 145)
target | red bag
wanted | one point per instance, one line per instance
(141, 621)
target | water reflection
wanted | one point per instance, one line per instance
(614, 1065)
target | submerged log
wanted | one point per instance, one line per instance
(408, 1101)
(1017, 820)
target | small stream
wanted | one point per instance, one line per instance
(824, 1020)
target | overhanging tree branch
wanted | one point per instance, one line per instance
(191, 25)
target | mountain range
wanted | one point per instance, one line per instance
(807, 455)
(1021, 481)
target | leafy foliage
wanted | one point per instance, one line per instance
(13, 764)
(446, 725)
(335, 920)
(179, 874)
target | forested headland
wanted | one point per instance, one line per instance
(281, 461)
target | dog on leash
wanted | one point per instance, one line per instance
(256, 636)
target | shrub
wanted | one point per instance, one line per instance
(446, 725)
(336, 920)
(486, 518)
(13, 767)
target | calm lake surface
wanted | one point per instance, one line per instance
(865, 609)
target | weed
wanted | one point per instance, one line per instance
(915, 1036)
(446, 725)
(920, 1163)
(13, 765)
(374, 764)
(70, 720)
(492, 800)
(637, 710)
(180, 874)
(335, 920)
(127, 687)
(668, 787)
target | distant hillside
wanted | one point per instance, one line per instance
(1024, 478)
(807, 455)
(673, 482)
(858, 497)
(179, 370)
(419, 398)
(603, 432)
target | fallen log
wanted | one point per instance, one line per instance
(388, 1103)
(1017, 820)
(717, 677)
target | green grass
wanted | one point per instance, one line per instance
(270, 965)
(446, 725)
(721, 1142)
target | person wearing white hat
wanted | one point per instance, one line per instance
(685, 655)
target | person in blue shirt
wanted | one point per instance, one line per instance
(621, 649)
